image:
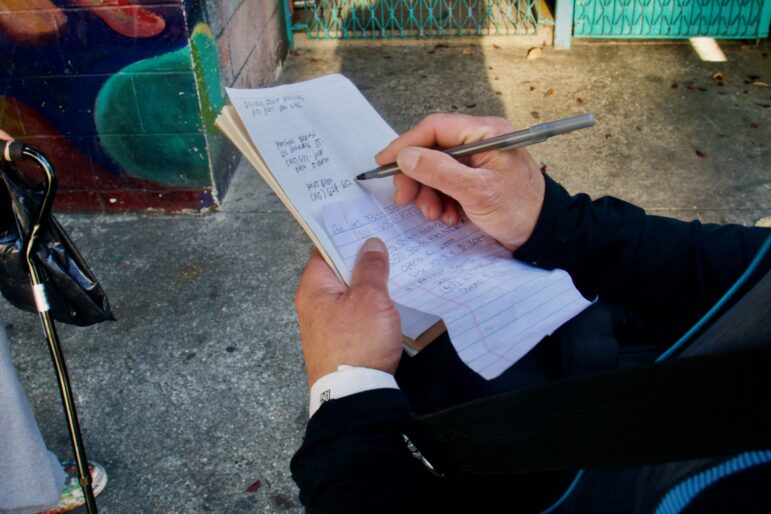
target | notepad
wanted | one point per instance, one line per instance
(308, 140)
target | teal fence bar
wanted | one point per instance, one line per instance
(671, 19)
(357, 19)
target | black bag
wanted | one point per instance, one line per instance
(74, 294)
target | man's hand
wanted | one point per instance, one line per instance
(357, 325)
(501, 192)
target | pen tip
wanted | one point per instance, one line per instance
(360, 176)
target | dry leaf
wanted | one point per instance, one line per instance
(440, 45)
(253, 488)
(498, 93)
(760, 83)
(579, 100)
(497, 47)
(549, 92)
(719, 76)
(701, 154)
(470, 106)
(532, 88)
(534, 53)
(536, 115)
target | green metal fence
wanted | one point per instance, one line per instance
(356, 19)
(671, 19)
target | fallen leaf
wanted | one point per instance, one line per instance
(440, 45)
(253, 488)
(543, 168)
(765, 106)
(534, 53)
(701, 154)
(674, 85)
(536, 115)
(498, 93)
(579, 100)
(549, 92)
(470, 106)
(719, 76)
(754, 125)
(532, 88)
(497, 47)
(760, 83)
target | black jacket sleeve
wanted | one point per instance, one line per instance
(662, 269)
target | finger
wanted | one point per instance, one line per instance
(444, 131)
(443, 173)
(5, 136)
(317, 278)
(451, 214)
(405, 189)
(371, 267)
(429, 203)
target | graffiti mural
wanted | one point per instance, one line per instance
(120, 94)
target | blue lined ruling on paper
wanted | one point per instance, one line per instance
(496, 309)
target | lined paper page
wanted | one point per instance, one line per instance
(315, 137)
(495, 308)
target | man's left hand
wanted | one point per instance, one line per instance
(357, 325)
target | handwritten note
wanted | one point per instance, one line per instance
(495, 308)
(315, 136)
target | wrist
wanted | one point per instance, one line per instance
(346, 381)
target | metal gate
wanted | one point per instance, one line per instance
(671, 19)
(357, 19)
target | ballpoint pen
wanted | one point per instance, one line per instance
(535, 134)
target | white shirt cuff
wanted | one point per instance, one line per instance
(348, 380)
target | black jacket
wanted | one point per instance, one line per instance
(663, 274)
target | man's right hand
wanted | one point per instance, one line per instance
(501, 192)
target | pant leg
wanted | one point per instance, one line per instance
(31, 478)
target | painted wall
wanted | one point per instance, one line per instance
(122, 94)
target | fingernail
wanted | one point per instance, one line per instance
(373, 244)
(408, 158)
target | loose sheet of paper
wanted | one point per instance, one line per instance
(495, 308)
(315, 137)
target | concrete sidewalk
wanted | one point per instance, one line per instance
(198, 390)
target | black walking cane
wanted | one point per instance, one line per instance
(40, 222)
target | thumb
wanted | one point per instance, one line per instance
(439, 171)
(371, 267)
